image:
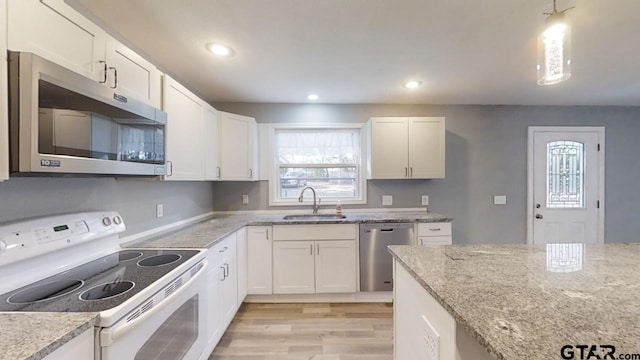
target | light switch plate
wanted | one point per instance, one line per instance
(387, 200)
(159, 210)
(245, 199)
(500, 200)
(425, 200)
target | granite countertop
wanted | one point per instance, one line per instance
(207, 233)
(32, 336)
(527, 302)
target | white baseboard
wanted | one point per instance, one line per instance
(358, 297)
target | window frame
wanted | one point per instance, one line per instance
(274, 166)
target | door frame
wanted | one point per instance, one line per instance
(600, 130)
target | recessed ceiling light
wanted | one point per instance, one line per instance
(312, 97)
(412, 84)
(220, 49)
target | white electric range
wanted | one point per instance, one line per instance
(152, 302)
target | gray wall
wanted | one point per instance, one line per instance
(135, 199)
(485, 156)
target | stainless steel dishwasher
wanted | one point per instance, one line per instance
(375, 260)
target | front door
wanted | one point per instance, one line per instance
(566, 185)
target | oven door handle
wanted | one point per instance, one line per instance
(109, 337)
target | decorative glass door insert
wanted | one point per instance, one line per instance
(565, 174)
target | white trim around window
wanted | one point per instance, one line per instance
(269, 153)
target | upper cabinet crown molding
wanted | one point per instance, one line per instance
(407, 148)
(64, 36)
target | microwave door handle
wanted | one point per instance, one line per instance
(108, 337)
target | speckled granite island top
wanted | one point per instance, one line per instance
(32, 336)
(527, 302)
(207, 233)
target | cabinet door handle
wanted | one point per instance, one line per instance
(226, 274)
(266, 231)
(224, 249)
(310, 249)
(438, 229)
(406, 172)
(104, 72)
(250, 173)
(219, 172)
(115, 77)
(410, 171)
(318, 245)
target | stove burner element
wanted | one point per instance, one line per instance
(46, 291)
(106, 291)
(129, 255)
(159, 260)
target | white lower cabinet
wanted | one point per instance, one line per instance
(293, 267)
(335, 266)
(80, 347)
(241, 253)
(423, 329)
(222, 289)
(259, 260)
(434, 233)
(311, 259)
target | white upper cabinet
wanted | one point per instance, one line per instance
(238, 147)
(55, 31)
(132, 75)
(185, 132)
(210, 123)
(4, 112)
(407, 148)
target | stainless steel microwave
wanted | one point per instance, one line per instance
(61, 122)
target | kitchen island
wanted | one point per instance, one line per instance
(559, 301)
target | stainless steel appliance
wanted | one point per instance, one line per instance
(152, 303)
(62, 122)
(376, 265)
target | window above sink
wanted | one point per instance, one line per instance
(327, 157)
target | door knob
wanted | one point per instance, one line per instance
(539, 216)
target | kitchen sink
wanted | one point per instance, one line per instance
(314, 217)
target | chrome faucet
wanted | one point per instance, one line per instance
(315, 207)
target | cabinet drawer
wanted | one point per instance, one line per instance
(314, 232)
(434, 240)
(434, 229)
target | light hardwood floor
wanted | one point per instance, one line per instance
(322, 331)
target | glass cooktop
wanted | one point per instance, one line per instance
(98, 285)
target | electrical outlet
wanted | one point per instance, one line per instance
(425, 200)
(159, 210)
(500, 200)
(387, 200)
(245, 199)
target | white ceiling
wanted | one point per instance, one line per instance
(361, 51)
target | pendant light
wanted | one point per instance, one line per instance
(554, 48)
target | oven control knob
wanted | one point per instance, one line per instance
(3, 246)
(117, 220)
(106, 221)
